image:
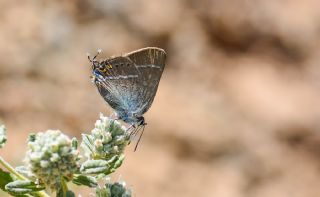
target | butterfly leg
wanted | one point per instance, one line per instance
(143, 126)
(130, 131)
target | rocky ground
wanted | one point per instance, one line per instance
(237, 111)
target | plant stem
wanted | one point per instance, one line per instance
(7, 166)
(64, 186)
(11, 169)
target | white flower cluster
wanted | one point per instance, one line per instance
(107, 139)
(51, 158)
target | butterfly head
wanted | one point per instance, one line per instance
(97, 68)
(94, 62)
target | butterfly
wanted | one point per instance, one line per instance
(128, 83)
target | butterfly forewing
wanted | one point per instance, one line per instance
(119, 77)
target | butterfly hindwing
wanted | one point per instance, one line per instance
(129, 82)
(150, 63)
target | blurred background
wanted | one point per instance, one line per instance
(237, 110)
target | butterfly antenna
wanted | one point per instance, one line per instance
(135, 148)
(94, 58)
(98, 52)
(88, 55)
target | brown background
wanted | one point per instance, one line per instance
(237, 110)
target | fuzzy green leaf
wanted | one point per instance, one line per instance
(102, 166)
(23, 187)
(94, 167)
(87, 143)
(5, 178)
(115, 162)
(74, 143)
(80, 179)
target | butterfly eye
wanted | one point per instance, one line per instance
(101, 67)
(95, 65)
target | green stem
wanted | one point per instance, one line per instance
(11, 169)
(7, 166)
(64, 186)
